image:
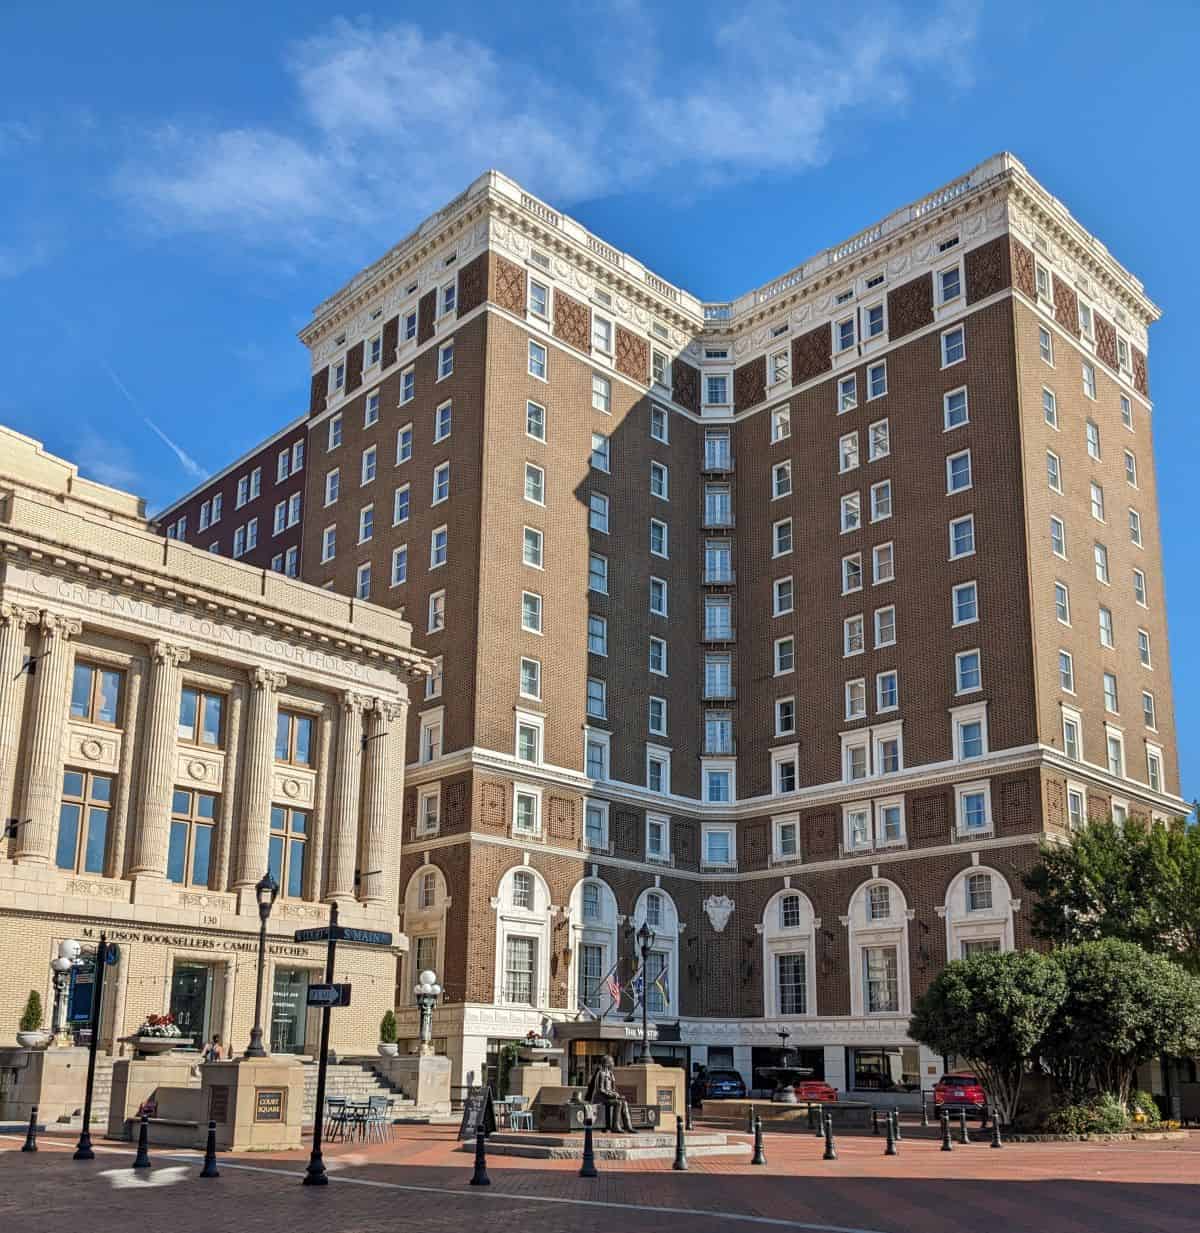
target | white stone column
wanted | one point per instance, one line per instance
(343, 834)
(13, 622)
(320, 809)
(233, 739)
(384, 785)
(258, 776)
(152, 833)
(127, 797)
(43, 782)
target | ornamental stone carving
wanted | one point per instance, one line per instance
(1066, 307)
(91, 749)
(56, 626)
(1141, 382)
(318, 391)
(391, 340)
(268, 680)
(508, 290)
(910, 306)
(1106, 340)
(354, 367)
(170, 653)
(750, 384)
(685, 385)
(811, 354)
(987, 269)
(1023, 270)
(472, 284)
(572, 322)
(718, 909)
(15, 614)
(426, 316)
(633, 355)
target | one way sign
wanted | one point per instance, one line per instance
(329, 995)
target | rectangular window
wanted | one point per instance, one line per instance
(539, 299)
(445, 360)
(851, 512)
(781, 536)
(949, 284)
(782, 595)
(954, 408)
(1106, 627)
(1076, 808)
(1100, 553)
(404, 444)
(1058, 537)
(1049, 407)
(83, 817)
(658, 538)
(1053, 471)
(1092, 437)
(399, 565)
(366, 523)
(785, 655)
(954, 346)
(885, 626)
(600, 452)
(781, 424)
(660, 368)
(1071, 743)
(96, 694)
(1143, 642)
(848, 452)
(535, 484)
(856, 699)
(438, 541)
(1131, 469)
(531, 550)
(328, 544)
(880, 980)
(718, 677)
(1126, 412)
(879, 441)
(520, 967)
(847, 390)
(657, 717)
(189, 847)
(529, 741)
(441, 483)
(598, 512)
(967, 673)
(658, 597)
(437, 612)
(1089, 379)
(596, 755)
(1154, 774)
(877, 380)
(200, 717)
(958, 472)
(873, 321)
(1149, 715)
(1062, 603)
(1097, 498)
(535, 421)
(881, 500)
(882, 563)
(597, 635)
(844, 334)
(887, 691)
(658, 656)
(658, 424)
(368, 465)
(601, 393)
(965, 603)
(597, 698)
(962, 536)
(785, 716)
(1115, 754)
(1139, 587)
(1135, 528)
(853, 642)
(1045, 345)
(537, 360)
(781, 480)
(602, 334)
(442, 421)
(716, 389)
(362, 581)
(401, 505)
(598, 573)
(531, 612)
(294, 738)
(1066, 672)
(595, 823)
(371, 410)
(659, 481)
(408, 385)
(852, 579)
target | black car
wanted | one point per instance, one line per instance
(719, 1084)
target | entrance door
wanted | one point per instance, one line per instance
(289, 1010)
(191, 997)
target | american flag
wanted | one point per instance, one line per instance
(614, 988)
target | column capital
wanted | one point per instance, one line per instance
(391, 711)
(55, 625)
(268, 680)
(352, 702)
(170, 653)
(15, 614)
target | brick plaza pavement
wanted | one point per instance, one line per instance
(419, 1182)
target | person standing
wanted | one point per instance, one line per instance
(215, 1051)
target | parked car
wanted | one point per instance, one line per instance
(960, 1091)
(724, 1084)
(815, 1090)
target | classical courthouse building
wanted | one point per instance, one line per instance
(786, 626)
(172, 725)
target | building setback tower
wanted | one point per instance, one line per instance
(787, 626)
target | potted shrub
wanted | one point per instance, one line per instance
(387, 1035)
(30, 1033)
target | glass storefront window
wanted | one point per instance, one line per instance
(894, 1069)
(289, 1010)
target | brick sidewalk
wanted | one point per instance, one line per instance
(419, 1182)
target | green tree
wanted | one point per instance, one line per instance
(1135, 883)
(1122, 1007)
(31, 1016)
(387, 1028)
(992, 1011)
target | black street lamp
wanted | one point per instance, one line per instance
(266, 892)
(645, 939)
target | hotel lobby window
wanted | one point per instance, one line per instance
(193, 815)
(293, 738)
(96, 694)
(83, 822)
(289, 836)
(200, 716)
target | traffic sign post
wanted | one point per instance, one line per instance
(315, 1174)
(329, 995)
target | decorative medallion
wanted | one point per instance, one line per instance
(291, 787)
(91, 748)
(719, 909)
(197, 769)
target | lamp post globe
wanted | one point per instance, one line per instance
(266, 893)
(427, 991)
(70, 949)
(60, 967)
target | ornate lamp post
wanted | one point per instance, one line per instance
(645, 940)
(428, 992)
(266, 892)
(61, 966)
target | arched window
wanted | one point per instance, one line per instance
(656, 909)
(879, 969)
(593, 914)
(789, 934)
(426, 903)
(978, 912)
(522, 906)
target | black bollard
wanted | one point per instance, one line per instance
(996, 1132)
(875, 1122)
(480, 1176)
(759, 1157)
(947, 1146)
(820, 1120)
(830, 1149)
(890, 1150)
(687, 1116)
(924, 1113)
(963, 1136)
(31, 1134)
(896, 1122)
(680, 1161)
(210, 1153)
(142, 1159)
(749, 1119)
(588, 1167)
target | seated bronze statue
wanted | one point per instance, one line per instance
(602, 1090)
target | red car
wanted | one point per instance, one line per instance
(815, 1090)
(961, 1091)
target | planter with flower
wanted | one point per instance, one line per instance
(158, 1034)
(537, 1047)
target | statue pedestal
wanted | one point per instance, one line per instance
(528, 1078)
(648, 1083)
(424, 1080)
(256, 1102)
(136, 1079)
(51, 1078)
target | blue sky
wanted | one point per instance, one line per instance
(182, 183)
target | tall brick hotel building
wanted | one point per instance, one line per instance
(786, 626)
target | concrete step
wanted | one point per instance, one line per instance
(608, 1147)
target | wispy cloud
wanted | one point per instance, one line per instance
(105, 460)
(186, 461)
(392, 120)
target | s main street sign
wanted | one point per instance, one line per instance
(345, 933)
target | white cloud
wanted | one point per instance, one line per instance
(105, 460)
(392, 122)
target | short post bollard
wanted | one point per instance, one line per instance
(750, 1119)
(820, 1120)
(210, 1153)
(680, 1162)
(687, 1116)
(830, 1149)
(142, 1159)
(30, 1144)
(947, 1146)
(890, 1150)
(875, 1121)
(480, 1176)
(996, 1141)
(588, 1166)
(963, 1136)
(759, 1157)
(896, 1123)
(924, 1113)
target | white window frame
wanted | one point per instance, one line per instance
(960, 716)
(961, 792)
